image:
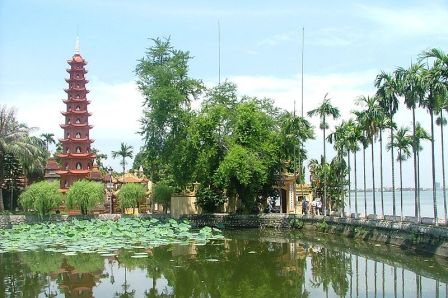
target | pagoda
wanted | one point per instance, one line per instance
(76, 157)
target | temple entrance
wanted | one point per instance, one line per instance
(283, 200)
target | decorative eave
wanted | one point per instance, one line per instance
(75, 112)
(69, 70)
(77, 155)
(81, 100)
(73, 172)
(74, 89)
(75, 125)
(69, 80)
(75, 140)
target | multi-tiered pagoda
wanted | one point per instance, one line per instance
(76, 157)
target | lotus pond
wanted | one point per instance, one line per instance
(148, 258)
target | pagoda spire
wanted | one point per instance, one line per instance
(77, 47)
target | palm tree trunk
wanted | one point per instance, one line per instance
(418, 186)
(434, 198)
(324, 205)
(356, 189)
(381, 173)
(414, 151)
(349, 184)
(364, 173)
(373, 177)
(2, 206)
(443, 167)
(124, 166)
(401, 187)
(393, 166)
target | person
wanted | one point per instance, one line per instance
(313, 207)
(269, 208)
(319, 207)
(304, 206)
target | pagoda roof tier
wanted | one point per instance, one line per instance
(69, 70)
(77, 155)
(75, 112)
(68, 80)
(76, 125)
(73, 172)
(74, 140)
(76, 61)
(81, 100)
(76, 89)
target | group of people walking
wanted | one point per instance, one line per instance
(315, 208)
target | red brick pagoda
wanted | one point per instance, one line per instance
(76, 158)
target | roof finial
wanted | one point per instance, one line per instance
(77, 45)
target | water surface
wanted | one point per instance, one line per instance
(249, 263)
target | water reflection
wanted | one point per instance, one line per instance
(247, 263)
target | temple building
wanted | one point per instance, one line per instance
(76, 158)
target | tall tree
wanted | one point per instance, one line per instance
(387, 93)
(372, 116)
(410, 87)
(435, 89)
(48, 138)
(325, 110)
(354, 137)
(15, 139)
(420, 135)
(402, 142)
(124, 152)
(441, 121)
(163, 80)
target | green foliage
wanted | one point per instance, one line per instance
(100, 236)
(296, 223)
(210, 200)
(131, 194)
(85, 195)
(124, 152)
(42, 197)
(161, 193)
(168, 90)
(322, 226)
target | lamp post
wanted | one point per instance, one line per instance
(110, 188)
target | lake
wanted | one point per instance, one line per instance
(427, 209)
(246, 263)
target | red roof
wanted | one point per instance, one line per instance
(52, 164)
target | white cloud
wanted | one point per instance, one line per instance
(278, 39)
(430, 19)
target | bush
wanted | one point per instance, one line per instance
(161, 193)
(131, 194)
(85, 195)
(296, 223)
(42, 197)
(209, 200)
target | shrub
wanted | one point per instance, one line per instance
(85, 195)
(42, 197)
(131, 194)
(161, 193)
(296, 223)
(210, 200)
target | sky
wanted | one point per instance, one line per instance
(346, 44)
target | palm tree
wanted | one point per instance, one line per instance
(441, 121)
(420, 135)
(340, 143)
(361, 121)
(125, 151)
(372, 116)
(354, 136)
(410, 88)
(48, 138)
(441, 62)
(435, 91)
(325, 110)
(387, 94)
(403, 143)
(15, 140)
